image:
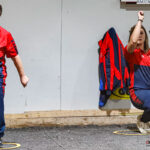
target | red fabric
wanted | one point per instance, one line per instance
(11, 48)
(7, 48)
(138, 57)
(134, 97)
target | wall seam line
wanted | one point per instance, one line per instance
(61, 54)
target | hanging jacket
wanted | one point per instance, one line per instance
(112, 66)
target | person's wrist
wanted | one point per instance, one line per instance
(140, 20)
(22, 75)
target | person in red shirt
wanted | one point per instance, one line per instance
(137, 55)
(8, 48)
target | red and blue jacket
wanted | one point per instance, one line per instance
(113, 70)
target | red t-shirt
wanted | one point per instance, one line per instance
(8, 48)
(139, 68)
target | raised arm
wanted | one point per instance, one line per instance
(18, 63)
(133, 41)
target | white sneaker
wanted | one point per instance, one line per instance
(144, 128)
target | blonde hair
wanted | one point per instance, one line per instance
(146, 45)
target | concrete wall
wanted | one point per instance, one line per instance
(58, 42)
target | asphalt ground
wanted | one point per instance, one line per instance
(78, 138)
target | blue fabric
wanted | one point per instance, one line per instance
(101, 85)
(2, 121)
(113, 35)
(141, 77)
(144, 96)
(104, 96)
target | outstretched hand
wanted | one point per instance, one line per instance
(141, 15)
(24, 80)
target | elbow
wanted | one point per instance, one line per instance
(131, 46)
(130, 51)
(15, 57)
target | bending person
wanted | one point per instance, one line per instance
(137, 54)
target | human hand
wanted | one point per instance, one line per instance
(141, 15)
(24, 80)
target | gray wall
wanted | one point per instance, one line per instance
(58, 42)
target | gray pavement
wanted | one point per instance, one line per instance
(77, 138)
